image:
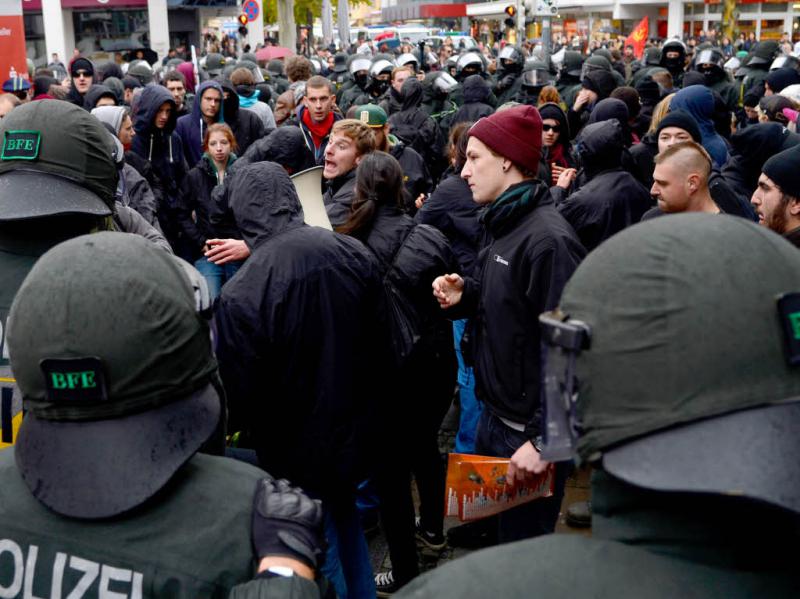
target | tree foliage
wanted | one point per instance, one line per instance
(301, 8)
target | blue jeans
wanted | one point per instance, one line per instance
(471, 408)
(532, 519)
(347, 562)
(216, 275)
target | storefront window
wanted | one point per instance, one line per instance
(34, 39)
(105, 30)
(771, 29)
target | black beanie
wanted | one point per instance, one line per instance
(79, 64)
(782, 169)
(600, 82)
(682, 120)
(781, 78)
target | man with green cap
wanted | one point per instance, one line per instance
(104, 489)
(684, 395)
(416, 177)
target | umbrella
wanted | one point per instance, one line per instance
(384, 35)
(269, 52)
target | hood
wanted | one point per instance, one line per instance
(698, 101)
(475, 89)
(110, 115)
(287, 147)
(411, 93)
(187, 70)
(196, 114)
(755, 144)
(264, 202)
(599, 145)
(600, 82)
(782, 78)
(612, 108)
(551, 110)
(150, 100)
(230, 106)
(95, 93)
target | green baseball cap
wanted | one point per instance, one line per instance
(116, 371)
(372, 115)
(691, 381)
(55, 158)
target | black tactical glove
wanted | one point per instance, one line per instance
(286, 522)
(506, 82)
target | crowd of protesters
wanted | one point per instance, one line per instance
(492, 171)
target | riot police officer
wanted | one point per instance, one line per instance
(710, 62)
(684, 396)
(673, 58)
(511, 62)
(569, 77)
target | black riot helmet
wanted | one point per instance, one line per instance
(710, 62)
(783, 61)
(595, 63)
(662, 380)
(535, 76)
(511, 59)
(763, 54)
(652, 57)
(470, 63)
(673, 55)
(573, 62)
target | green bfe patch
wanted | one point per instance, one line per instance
(74, 379)
(21, 145)
(789, 315)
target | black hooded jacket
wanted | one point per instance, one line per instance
(451, 209)
(476, 92)
(299, 338)
(612, 198)
(751, 148)
(95, 93)
(285, 145)
(416, 176)
(246, 125)
(414, 127)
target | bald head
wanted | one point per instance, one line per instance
(680, 179)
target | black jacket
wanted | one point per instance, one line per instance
(338, 197)
(297, 332)
(643, 157)
(450, 209)
(285, 145)
(416, 176)
(197, 208)
(316, 154)
(611, 199)
(519, 275)
(247, 126)
(414, 127)
(476, 92)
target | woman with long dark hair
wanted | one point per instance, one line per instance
(409, 256)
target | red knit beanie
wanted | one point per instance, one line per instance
(514, 133)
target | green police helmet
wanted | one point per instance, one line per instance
(689, 384)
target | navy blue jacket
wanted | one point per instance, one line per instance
(191, 127)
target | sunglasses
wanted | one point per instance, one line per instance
(553, 128)
(86, 74)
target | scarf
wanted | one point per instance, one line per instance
(556, 154)
(514, 203)
(319, 131)
(246, 101)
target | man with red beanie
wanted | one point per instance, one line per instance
(518, 276)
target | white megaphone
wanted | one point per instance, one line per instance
(308, 184)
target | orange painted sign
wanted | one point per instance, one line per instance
(12, 40)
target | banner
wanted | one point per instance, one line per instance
(638, 38)
(12, 40)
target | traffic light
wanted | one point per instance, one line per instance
(511, 11)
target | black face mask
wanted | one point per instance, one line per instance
(710, 76)
(361, 81)
(379, 87)
(673, 64)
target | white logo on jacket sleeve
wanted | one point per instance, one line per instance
(500, 259)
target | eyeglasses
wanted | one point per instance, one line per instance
(553, 128)
(86, 74)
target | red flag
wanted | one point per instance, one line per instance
(638, 38)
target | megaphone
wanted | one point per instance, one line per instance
(308, 184)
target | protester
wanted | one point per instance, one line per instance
(698, 101)
(350, 140)
(517, 280)
(680, 180)
(316, 116)
(777, 198)
(206, 111)
(81, 72)
(321, 358)
(175, 82)
(244, 82)
(415, 128)
(409, 257)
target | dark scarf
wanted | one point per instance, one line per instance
(514, 203)
(319, 131)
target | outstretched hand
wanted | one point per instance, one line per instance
(448, 289)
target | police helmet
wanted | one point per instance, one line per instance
(470, 63)
(652, 57)
(511, 58)
(784, 61)
(444, 82)
(359, 64)
(536, 74)
(408, 59)
(573, 63)
(381, 67)
(595, 63)
(764, 53)
(669, 383)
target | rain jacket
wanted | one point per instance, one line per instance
(299, 339)
(519, 275)
(191, 127)
(698, 101)
(611, 199)
(415, 128)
